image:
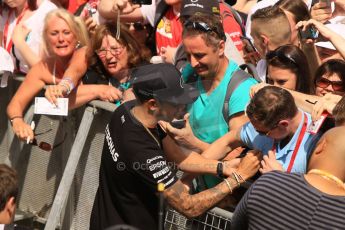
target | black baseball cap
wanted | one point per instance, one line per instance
(191, 7)
(163, 82)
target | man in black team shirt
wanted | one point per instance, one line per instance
(133, 161)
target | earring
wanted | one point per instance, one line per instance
(78, 45)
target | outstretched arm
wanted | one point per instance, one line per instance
(75, 71)
(194, 205)
(85, 93)
(31, 86)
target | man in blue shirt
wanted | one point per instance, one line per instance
(277, 128)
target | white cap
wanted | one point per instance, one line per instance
(339, 29)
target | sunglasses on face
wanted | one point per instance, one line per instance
(202, 26)
(114, 50)
(324, 83)
(283, 57)
(137, 26)
(266, 133)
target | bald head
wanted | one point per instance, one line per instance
(329, 153)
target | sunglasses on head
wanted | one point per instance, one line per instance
(324, 83)
(202, 26)
(281, 56)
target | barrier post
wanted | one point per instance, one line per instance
(70, 169)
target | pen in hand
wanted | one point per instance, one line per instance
(32, 125)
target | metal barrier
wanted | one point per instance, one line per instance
(215, 219)
(59, 188)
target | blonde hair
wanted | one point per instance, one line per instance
(76, 25)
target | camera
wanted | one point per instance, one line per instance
(142, 2)
(309, 33)
(178, 124)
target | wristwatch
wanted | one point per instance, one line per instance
(220, 169)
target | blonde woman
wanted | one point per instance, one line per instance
(62, 35)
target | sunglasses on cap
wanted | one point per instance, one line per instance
(324, 83)
(202, 26)
(283, 57)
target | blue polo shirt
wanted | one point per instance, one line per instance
(253, 140)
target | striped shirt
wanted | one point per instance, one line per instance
(280, 200)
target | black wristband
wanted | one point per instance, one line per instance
(220, 169)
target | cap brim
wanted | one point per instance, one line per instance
(189, 95)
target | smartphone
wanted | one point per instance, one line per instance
(309, 33)
(178, 124)
(142, 2)
(248, 45)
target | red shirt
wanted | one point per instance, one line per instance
(231, 26)
(169, 31)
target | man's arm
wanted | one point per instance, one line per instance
(237, 121)
(191, 162)
(223, 145)
(194, 205)
(185, 136)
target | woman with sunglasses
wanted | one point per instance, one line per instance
(330, 78)
(288, 68)
(62, 34)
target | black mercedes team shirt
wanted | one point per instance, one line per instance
(132, 165)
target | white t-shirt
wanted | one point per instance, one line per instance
(34, 39)
(261, 67)
(149, 11)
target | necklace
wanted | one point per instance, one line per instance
(328, 176)
(147, 129)
(54, 72)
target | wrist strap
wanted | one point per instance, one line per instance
(15, 117)
(220, 169)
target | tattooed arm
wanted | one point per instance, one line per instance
(194, 205)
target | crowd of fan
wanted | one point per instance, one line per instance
(184, 61)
